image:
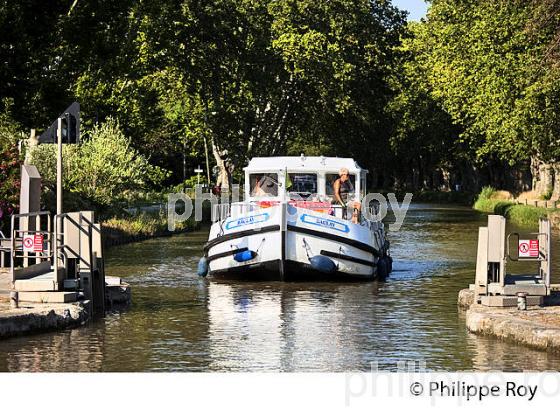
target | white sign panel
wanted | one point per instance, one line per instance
(528, 248)
(28, 243)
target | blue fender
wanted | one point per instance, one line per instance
(245, 256)
(202, 270)
(323, 264)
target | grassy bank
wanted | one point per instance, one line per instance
(117, 231)
(522, 215)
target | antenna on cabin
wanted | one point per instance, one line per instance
(302, 157)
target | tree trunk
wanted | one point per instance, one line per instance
(535, 173)
(415, 178)
(224, 166)
(445, 181)
(548, 179)
(556, 189)
(542, 178)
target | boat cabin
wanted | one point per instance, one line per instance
(300, 178)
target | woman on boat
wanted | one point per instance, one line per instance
(342, 188)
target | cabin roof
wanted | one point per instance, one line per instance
(326, 164)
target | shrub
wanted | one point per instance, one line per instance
(190, 183)
(104, 168)
(527, 215)
(523, 215)
(486, 193)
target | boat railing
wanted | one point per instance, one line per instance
(221, 211)
(225, 210)
(244, 207)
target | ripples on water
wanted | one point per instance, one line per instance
(179, 322)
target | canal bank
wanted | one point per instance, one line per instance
(31, 318)
(44, 311)
(537, 327)
(120, 231)
(519, 212)
(45, 316)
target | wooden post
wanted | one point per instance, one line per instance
(14, 299)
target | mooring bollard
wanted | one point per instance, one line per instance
(14, 300)
(522, 301)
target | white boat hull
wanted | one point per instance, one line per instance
(283, 240)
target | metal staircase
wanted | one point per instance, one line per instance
(67, 264)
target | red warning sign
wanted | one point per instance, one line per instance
(528, 248)
(38, 242)
(33, 243)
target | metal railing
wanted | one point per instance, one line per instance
(19, 231)
(64, 251)
(5, 249)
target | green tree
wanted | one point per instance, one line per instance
(253, 76)
(484, 64)
(103, 169)
(423, 135)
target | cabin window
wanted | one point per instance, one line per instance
(330, 178)
(301, 185)
(264, 184)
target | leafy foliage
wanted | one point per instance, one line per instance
(104, 169)
(485, 66)
(468, 92)
(252, 77)
(10, 162)
(486, 193)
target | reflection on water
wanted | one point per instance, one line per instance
(181, 323)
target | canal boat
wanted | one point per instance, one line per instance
(289, 226)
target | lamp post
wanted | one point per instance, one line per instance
(58, 228)
(59, 168)
(198, 172)
(70, 119)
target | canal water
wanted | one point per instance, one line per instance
(178, 322)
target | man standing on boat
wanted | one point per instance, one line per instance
(342, 188)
